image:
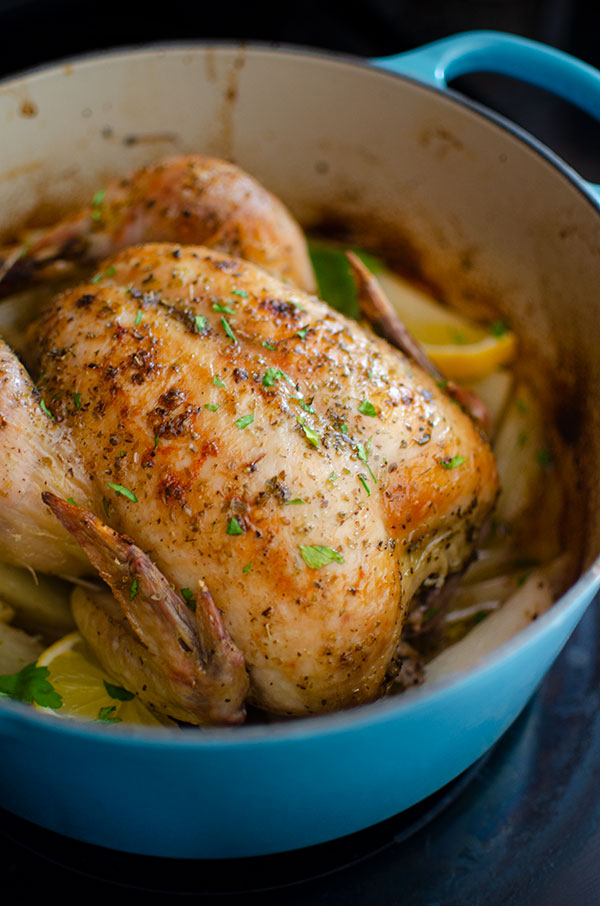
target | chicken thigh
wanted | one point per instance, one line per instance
(259, 451)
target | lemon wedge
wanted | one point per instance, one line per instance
(87, 691)
(461, 349)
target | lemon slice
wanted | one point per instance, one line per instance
(461, 349)
(88, 693)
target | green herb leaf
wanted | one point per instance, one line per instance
(77, 400)
(268, 345)
(363, 481)
(295, 500)
(212, 406)
(239, 292)
(498, 328)
(544, 456)
(233, 527)
(217, 306)
(118, 692)
(200, 322)
(105, 505)
(244, 421)
(96, 215)
(96, 278)
(334, 277)
(110, 271)
(302, 333)
(453, 463)
(156, 440)
(272, 375)
(311, 436)
(303, 405)
(188, 596)
(133, 589)
(31, 684)
(362, 455)
(46, 411)
(247, 567)
(107, 715)
(228, 329)
(70, 500)
(317, 555)
(123, 492)
(218, 382)
(138, 317)
(98, 197)
(367, 408)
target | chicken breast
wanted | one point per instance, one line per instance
(251, 441)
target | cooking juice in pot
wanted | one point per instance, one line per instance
(512, 560)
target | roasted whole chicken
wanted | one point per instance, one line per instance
(263, 484)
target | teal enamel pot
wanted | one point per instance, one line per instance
(485, 211)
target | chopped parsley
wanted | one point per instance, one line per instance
(233, 527)
(244, 421)
(200, 322)
(188, 596)
(363, 481)
(118, 692)
(46, 411)
(239, 292)
(107, 715)
(77, 400)
(218, 382)
(295, 500)
(544, 456)
(105, 505)
(138, 317)
(98, 197)
(367, 408)
(498, 328)
(453, 462)
(228, 329)
(70, 500)
(268, 345)
(247, 567)
(272, 375)
(311, 436)
(110, 271)
(156, 440)
(217, 306)
(363, 454)
(31, 684)
(318, 555)
(303, 405)
(212, 406)
(96, 278)
(123, 492)
(302, 333)
(133, 589)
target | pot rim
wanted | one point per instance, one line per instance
(382, 710)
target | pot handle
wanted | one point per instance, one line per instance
(494, 51)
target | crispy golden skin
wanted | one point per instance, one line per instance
(308, 473)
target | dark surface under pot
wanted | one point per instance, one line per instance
(523, 825)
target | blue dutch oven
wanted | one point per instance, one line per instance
(387, 142)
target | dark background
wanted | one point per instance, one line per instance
(526, 832)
